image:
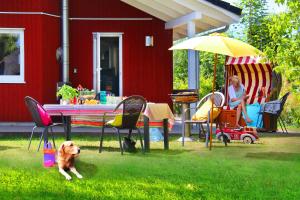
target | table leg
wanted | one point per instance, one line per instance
(146, 134)
(67, 122)
(166, 134)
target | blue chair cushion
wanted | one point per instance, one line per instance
(253, 113)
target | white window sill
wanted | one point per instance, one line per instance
(12, 82)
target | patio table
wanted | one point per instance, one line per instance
(153, 112)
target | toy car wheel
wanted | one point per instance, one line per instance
(247, 140)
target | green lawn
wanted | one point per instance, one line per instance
(267, 170)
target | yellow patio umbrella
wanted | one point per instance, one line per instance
(217, 44)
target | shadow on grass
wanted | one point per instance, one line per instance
(4, 148)
(96, 148)
(152, 153)
(278, 135)
(87, 169)
(169, 152)
(282, 156)
(231, 146)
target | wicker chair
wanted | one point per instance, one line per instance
(132, 107)
(219, 101)
(34, 107)
(274, 108)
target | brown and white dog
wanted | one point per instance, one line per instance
(67, 153)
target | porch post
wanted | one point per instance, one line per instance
(193, 74)
(193, 60)
(65, 39)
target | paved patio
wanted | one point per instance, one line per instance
(25, 128)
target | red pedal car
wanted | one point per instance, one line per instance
(247, 134)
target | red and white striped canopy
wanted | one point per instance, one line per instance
(255, 75)
(244, 60)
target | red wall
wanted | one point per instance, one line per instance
(147, 71)
(41, 68)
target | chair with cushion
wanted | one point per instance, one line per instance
(274, 108)
(131, 108)
(40, 118)
(202, 112)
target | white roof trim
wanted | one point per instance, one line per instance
(142, 5)
(178, 13)
(235, 17)
(207, 10)
(183, 20)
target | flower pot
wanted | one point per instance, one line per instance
(64, 101)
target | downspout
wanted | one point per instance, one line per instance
(65, 40)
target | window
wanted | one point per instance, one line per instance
(11, 55)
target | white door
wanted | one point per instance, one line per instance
(107, 61)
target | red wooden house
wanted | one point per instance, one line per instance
(127, 39)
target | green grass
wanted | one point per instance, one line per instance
(267, 170)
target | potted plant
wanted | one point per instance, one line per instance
(67, 93)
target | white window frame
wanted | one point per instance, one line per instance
(15, 78)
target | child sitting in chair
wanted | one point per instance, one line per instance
(237, 99)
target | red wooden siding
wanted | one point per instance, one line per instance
(51, 68)
(50, 6)
(40, 40)
(104, 8)
(147, 71)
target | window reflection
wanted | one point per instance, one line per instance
(9, 54)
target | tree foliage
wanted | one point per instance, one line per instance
(206, 63)
(284, 48)
(284, 51)
(7, 44)
(277, 35)
(180, 63)
(255, 22)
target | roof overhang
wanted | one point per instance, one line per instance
(206, 14)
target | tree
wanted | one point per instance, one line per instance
(254, 18)
(284, 52)
(180, 63)
(7, 44)
(284, 48)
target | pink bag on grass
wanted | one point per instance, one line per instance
(49, 155)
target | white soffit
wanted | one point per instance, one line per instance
(177, 13)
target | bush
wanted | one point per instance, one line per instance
(291, 112)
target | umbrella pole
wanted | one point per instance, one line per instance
(213, 101)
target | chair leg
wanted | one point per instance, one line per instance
(279, 122)
(282, 125)
(198, 126)
(203, 131)
(53, 139)
(141, 139)
(45, 129)
(207, 134)
(31, 137)
(101, 139)
(120, 141)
